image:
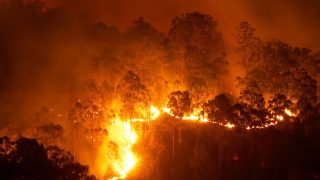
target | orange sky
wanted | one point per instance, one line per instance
(294, 21)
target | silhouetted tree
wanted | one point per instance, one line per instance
(250, 109)
(247, 45)
(145, 50)
(27, 159)
(278, 104)
(200, 49)
(50, 134)
(179, 103)
(219, 109)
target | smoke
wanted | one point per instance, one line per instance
(45, 51)
(40, 56)
(293, 21)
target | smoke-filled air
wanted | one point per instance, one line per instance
(159, 90)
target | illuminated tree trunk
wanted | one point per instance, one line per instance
(145, 127)
(158, 164)
(182, 73)
(219, 144)
(182, 68)
(236, 153)
(130, 108)
(179, 136)
(173, 143)
(162, 68)
(75, 143)
(261, 164)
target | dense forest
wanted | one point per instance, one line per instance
(179, 104)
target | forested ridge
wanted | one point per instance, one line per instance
(83, 100)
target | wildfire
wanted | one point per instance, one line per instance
(155, 113)
(229, 125)
(289, 113)
(279, 117)
(116, 151)
(198, 115)
(167, 110)
(124, 165)
(127, 159)
(122, 133)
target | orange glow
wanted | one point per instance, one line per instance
(127, 159)
(191, 117)
(155, 113)
(229, 125)
(289, 113)
(119, 155)
(124, 135)
(196, 116)
(279, 117)
(167, 110)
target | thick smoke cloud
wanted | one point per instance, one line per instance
(44, 52)
(40, 55)
(293, 21)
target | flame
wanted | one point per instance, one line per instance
(127, 160)
(198, 115)
(122, 133)
(279, 117)
(121, 159)
(229, 125)
(289, 113)
(155, 113)
(167, 110)
(191, 117)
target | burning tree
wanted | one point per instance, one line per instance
(278, 104)
(179, 103)
(87, 117)
(200, 48)
(219, 109)
(247, 45)
(145, 53)
(50, 134)
(134, 96)
(250, 109)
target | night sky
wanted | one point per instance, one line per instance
(294, 21)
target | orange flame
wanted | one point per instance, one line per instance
(125, 136)
(128, 160)
(289, 113)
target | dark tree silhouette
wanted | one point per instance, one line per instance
(199, 48)
(27, 159)
(179, 103)
(219, 109)
(247, 45)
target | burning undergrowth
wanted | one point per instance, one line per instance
(143, 103)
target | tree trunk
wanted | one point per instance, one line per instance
(179, 136)
(182, 68)
(173, 143)
(219, 147)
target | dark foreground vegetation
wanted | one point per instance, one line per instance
(27, 159)
(204, 151)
